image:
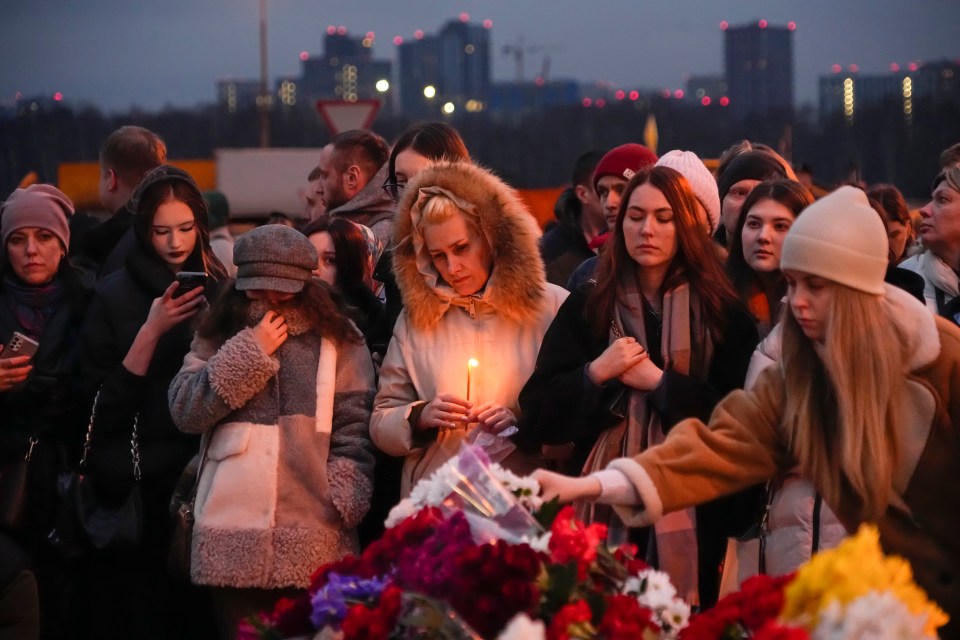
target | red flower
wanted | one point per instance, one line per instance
(762, 599)
(291, 616)
(625, 619)
(379, 557)
(626, 554)
(494, 582)
(363, 623)
(573, 542)
(571, 614)
(757, 604)
(774, 631)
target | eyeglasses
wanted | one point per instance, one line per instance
(394, 189)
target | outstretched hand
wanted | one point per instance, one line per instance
(566, 488)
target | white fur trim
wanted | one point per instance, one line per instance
(650, 508)
(917, 323)
(326, 385)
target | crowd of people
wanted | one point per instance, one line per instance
(699, 360)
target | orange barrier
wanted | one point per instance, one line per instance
(540, 202)
(80, 180)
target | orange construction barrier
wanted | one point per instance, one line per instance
(80, 180)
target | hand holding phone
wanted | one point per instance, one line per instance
(15, 360)
(188, 281)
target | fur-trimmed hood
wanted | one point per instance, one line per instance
(517, 285)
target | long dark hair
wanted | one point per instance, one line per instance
(227, 315)
(434, 140)
(353, 253)
(795, 197)
(695, 262)
(202, 258)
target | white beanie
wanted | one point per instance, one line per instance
(841, 238)
(704, 185)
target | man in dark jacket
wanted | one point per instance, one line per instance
(125, 157)
(353, 168)
(579, 220)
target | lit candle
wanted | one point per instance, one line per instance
(471, 363)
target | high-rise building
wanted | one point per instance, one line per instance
(464, 62)
(234, 94)
(419, 61)
(346, 71)
(452, 67)
(848, 91)
(759, 67)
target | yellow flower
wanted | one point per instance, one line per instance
(850, 571)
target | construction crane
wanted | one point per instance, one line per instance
(519, 51)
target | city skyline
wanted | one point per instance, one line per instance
(117, 54)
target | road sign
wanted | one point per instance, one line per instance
(340, 115)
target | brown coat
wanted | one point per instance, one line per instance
(743, 445)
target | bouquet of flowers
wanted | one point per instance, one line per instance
(464, 558)
(852, 592)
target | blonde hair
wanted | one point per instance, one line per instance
(841, 408)
(439, 208)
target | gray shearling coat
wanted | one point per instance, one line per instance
(289, 463)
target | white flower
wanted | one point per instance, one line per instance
(538, 543)
(400, 512)
(432, 491)
(674, 617)
(655, 590)
(521, 627)
(874, 616)
(526, 490)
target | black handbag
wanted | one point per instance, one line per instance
(13, 489)
(85, 521)
(181, 512)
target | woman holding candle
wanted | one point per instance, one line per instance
(474, 288)
(661, 337)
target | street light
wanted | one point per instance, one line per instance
(429, 91)
(383, 86)
(448, 108)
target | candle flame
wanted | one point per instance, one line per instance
(472, 363)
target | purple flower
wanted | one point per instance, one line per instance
(429, 568)
(329, 604)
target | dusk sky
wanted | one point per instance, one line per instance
(117, 53)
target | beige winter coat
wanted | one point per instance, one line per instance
(435, 338)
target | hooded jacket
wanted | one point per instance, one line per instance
(744, 444)
(438, 332)
(372, 207)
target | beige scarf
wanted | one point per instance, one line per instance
(686, 348)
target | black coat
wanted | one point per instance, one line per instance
(560, 405)
(117, 310)
(46, 406)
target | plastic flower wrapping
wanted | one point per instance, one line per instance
(473, 554)
(464, 557)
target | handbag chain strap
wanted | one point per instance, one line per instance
(88, 441)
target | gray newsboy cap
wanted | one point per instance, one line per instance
(274, 257)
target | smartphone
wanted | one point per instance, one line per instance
(188, 281)
(19, 345)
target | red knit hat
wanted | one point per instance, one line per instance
(623, 162)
